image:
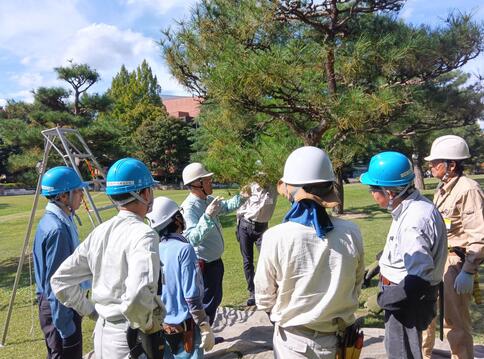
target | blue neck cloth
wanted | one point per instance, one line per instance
(310, 214)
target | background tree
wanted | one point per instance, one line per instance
(163, 142)
(332, 68)
(81, 77)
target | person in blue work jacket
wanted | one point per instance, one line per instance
(55, 240)
(204, 231)
(186, 327)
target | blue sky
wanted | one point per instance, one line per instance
(38, 35)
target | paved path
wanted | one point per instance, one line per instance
(248, 334)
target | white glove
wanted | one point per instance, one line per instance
(207, 338)
(214, 208)
(157, 319)
(464, 283)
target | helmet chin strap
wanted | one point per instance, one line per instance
(392, 200)
(446, 175)
(67, 206)
(135, 196)
(200, 187)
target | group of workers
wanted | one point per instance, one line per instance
(155, 271)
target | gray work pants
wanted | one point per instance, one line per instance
(401, 342)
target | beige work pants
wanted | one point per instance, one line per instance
(457, 319)
(295, 343)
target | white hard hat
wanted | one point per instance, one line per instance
(307, 165)
(193, 172)
(448, 147)
(163, 210)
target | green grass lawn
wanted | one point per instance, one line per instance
(24, 338)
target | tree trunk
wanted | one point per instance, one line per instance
(417, 170)
(76, 102)
(417, 165)
(338, 185)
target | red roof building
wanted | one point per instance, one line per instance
(183, 107)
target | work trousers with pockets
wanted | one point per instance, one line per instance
(110, 340)
(248, 235)
(457, 319)
(58, 348)
(402, 341)
(213, 274)
(300, 342)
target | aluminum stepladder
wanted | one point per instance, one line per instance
(72, 148)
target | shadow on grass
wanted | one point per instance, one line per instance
(4, 205)
(367, 212)
(8, 269)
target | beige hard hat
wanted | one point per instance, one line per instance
(194, 171)
(448, 147)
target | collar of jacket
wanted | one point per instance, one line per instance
(396, 213)
(175, 236)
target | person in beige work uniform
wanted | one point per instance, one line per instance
(311, 266)
(460, 201)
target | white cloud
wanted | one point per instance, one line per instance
(106, 47)
(27, 79)
(159, 6)
(23, 95)
(37, 31)
(3, 102)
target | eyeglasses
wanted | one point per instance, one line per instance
(375, 189)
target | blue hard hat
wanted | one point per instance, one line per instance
(128, 175)
(59, 180)
(388, 169)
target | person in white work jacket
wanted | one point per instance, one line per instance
(121, 258)
(311, 266)
(413, 259)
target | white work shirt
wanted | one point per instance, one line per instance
(305, 280)
(416, 243)
(260, 206)
(121, 258)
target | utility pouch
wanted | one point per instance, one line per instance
(189, 336)
(350, 342)
(149, 344)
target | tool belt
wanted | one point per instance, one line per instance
(175, 334)
(350, 341)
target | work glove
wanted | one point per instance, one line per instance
(464, 283)
(157, 319)
(246, 191)
(213, 209)
(93, 316)
(372, 304)
(207, 338)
